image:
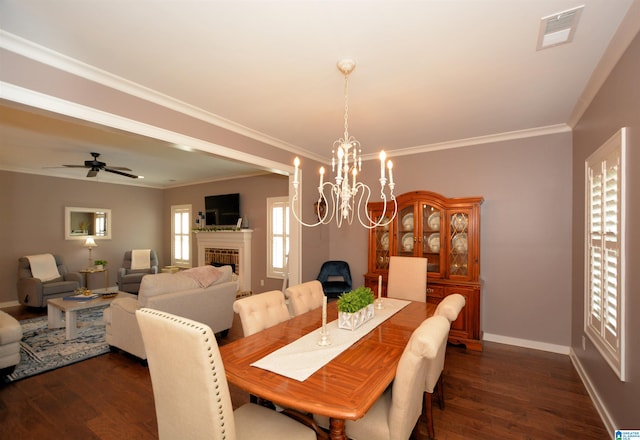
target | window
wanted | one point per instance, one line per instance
(604, 250)
(181, 235)
(277, 236)
(101, 223)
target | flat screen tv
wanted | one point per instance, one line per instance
(223, 209)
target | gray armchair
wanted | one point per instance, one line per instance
(35, 293)
(129, 279)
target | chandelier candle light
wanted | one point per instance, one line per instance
(324, 335)
(379, 305)
(349, 162)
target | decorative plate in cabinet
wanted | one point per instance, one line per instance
(384, 241)
(459, 222)
(407, 222)
(459, 243)
(434, 242)
(407, 242)
(434, 221)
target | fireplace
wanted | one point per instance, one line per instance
(227, 247)
(223, 257)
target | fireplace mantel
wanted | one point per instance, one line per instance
(240, 240)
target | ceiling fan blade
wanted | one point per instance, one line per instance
(111, 170)
(95, 166)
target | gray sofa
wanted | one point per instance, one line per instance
(33, 292)
(129, 279)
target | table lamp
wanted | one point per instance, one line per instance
(90, 243)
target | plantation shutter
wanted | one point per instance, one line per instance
(595, 249)
(604, 250)
(278, 236)
(611, 238)
(181, 232)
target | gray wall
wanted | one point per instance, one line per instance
(616, 105)
(525, 224)
(32, 222)
(253, 208)
(525, 230)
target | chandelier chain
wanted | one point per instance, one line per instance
(346, 107)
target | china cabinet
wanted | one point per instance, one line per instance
(446, 232)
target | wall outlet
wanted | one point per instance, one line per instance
(262, 283)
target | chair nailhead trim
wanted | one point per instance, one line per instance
(214, 372)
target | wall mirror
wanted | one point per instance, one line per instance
(80, 223)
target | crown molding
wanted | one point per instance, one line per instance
(44, 55)
(479, 140)
(39, 100)
(67, 64)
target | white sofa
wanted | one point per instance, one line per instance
(204, 294)
(10, 337)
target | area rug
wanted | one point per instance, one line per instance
(43, 349)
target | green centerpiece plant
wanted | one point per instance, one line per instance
(351, 302)
(355, 308)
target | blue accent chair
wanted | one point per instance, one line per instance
(335, 278)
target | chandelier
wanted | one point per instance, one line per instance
(338, 200)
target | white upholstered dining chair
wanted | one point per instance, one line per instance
(304, 297)
(451, 306)
(395, 414)
(407, 278)
(257, 313)
(190, 388)
(261, 311)
(433, 380)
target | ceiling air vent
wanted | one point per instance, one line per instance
(558, 28)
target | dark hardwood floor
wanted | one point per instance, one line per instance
(503, 392)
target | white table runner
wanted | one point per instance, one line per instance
(303, 357)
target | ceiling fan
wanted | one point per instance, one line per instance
(95, 165)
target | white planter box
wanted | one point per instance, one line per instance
(352, 321)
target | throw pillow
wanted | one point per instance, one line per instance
(204, 275)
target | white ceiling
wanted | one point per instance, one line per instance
(430, 74)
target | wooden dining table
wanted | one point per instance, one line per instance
(343, 389)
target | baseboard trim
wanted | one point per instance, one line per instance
(593, 394)
(526, 343)
(9, 304)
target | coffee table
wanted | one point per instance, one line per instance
(56, 306)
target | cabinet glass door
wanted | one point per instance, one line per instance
(383, 243)
(459, 244)
(431, 237)
(405, 239)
